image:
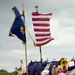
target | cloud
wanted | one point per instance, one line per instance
(62, 25)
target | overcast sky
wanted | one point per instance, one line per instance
(62, 27)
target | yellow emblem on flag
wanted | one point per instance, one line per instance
(22, 30)
(63, 62)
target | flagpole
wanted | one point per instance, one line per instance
(40, 54)
(36, 7)
(26, 59)
(25, 44)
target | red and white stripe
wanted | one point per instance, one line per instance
(41, 23)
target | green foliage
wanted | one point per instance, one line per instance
(3, 72)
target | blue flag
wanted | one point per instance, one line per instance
(18, 27)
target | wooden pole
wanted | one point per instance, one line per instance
(36, 7)
(26, 59)
(40, 54)
(25, 44)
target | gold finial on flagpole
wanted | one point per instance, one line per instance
(23, 8)
(36, 7)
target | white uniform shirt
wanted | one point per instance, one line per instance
(45, 72)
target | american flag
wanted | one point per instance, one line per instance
(41, 24)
